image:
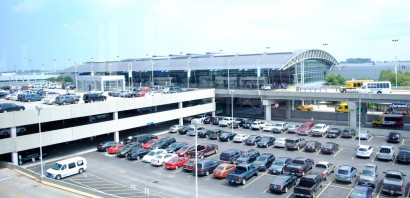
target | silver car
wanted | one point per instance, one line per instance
(386, 153)
(369, 175)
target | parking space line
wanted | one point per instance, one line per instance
(375, 156)
(317, 153)
(348, 195)
(408, 192)
(337, 186)
(325, 188)
(266, 190)
(254, 180)
(378, 194)
(402, 142)
(208, 178)
(371, 137)
(300, 150)
(89, 187)
(337, 152)
(394, 159)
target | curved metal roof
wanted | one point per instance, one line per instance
(209, 61)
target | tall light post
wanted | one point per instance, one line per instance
(92, 65)
(75, 71)
(39, 108)
(152, 74)
(258, 73)
(195, 122)
(395, 57)
(42, 74)
(55, 68)
(188, 72)
(360, 114)
(229, 87)
(29, 65)
(231, 92)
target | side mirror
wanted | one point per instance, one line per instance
(384, 172)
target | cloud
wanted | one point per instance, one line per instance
(27, 6)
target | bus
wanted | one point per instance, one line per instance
(389, 120)
(352, 85)
(378, 87)
(403, 109)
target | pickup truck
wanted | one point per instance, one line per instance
(226, 121)
(299, 166)
(242, 173)
(203, 150)
(323, 169)
(308, 186)
(320, 130)
(393, 182)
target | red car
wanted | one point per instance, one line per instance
(176, 162)
(115, 148)
(189, 166)
(149, 143)
(183, 152)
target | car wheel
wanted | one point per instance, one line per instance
(256, 173)
(243, 181)
(28, 100)
(286, 189)
(5, 111)
(216, 151)
(138, 157)
(313, 194)
(207, 173)
(58, 177)
(64, 103)
(81, 171)
(202, 156)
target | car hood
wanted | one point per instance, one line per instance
(259, 163)
(276, 167)
(367, 178)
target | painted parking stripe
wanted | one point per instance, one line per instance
(325, 188)
(254, 180)
(375, 156)
(338, 186)
(371, 137)
(403, 142)
(337, 152)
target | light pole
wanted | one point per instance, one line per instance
(39, 108)
(29, 65)
(231, 92)
(195, 123)
(152, 73)
(395, 57)
(92, 64)
(360, 114)
(188, 73)
(42, 74)
(75, 71)
(55, 69)
(258, 73)
(229, 87)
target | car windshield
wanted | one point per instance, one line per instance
(279, 163)
(264, 139)
(220, 168)
(56, 166)
(173, 160)
(292, 126)
(190, 162)
(151, 153)
(304, 127)
(261, 158)
(393, 176)
(343, 172)
(173, 145)
(327, 146)
(318, 127)
(278, 124)
(244, 155)
(362, 149)
(368, 172)
(152, 141)
(358, 193)
(280, 139)
(311, 144)
(184, 148)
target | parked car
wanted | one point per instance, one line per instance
(203, 150)
(114, 93)
(364, 151)
(183, 152)
(320, 130)
(313, 146)
(223, 169)
(295, 143)
(386, 152)
(148, 144)
(225, 122)
(329, 148)
(93, 97)
(116, 147)
(215, 120)
(253, 140)
(346, 173)
(268, 127)
(293, 128)
(163, 143)
(334, 133)
(280, 142)
(152, 154)
(68, 99)
(361, 192)
(242, 173)
(143, 138)
(363, 135)
(192, 131)
(394, 137)
(282, 183)
(172, 148)
(189, 166)
(393, 182)
(247, 123)
(103, 146)
(404, 154)
(226, 136)
(299, 166)
(240, 137)
(31, 97)
(308, 186)
(175, 128)
(305, 108)
(9, 107)
(257, 125)
(248, 156)
(214, 134)
(266, 142)
(183, 130)
(264, 161)
(176, 162)
(348, 133)
(306, 128)
(369, 175)
(280, 127)
(323, 169)
(99, 117)
(207, 166)
(230, 155)
(279, 165)
(161, 159)
(137, 153)
(125, 150)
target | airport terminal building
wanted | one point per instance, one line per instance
(216, 70)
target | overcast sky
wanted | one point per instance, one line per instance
(47, 30)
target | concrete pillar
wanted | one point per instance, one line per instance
(181, 120)
(14, 155)
(268, 109)
(352, 114)
(213, 102)
(293, 104)
(288, 108)
(116, 133)
(102, 85)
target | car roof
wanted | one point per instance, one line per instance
(282, 158)
(364, 146)
(345, 167)
(320, 124)
(395, 172)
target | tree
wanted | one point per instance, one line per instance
(60, 78)
(51, 79)
(333, 79)
(403, 78)
(68, 79)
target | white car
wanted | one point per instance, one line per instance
(161, 159)
(363, 135)
(50, 100)
(280, 127)
(364, 151)
(175, 128)
(153, 93)
(226, 121)
(268, 128)
(152, 154)
(257, 125)
(280, 142)
(13, 97)
(240, 137)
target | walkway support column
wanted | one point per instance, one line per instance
(14, 155)
(116, 133)
(213, 102)
(288, 108)
(268, 109)
(352, 114)
(181, 120)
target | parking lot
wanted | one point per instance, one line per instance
(123, 178)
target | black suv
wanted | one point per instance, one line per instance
(175, 146)
(248, 156)
(393, 137)
(266, 142)
(67, 99)
(247, 123)
(144, 138)
(8, 107)
(348, 133)
(94, 97)
(253, 140)
(163, 143)
(404, 154)
(230, 155)
(206, 167)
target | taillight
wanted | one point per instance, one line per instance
(401, 188)
(270, 185)
(280, 187)
(239, 178)
(323, 174)
(300, 170)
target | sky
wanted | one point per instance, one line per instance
(60, 33)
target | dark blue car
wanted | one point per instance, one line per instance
(361, 192)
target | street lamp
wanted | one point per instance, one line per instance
(395, 57)
(231, 92)
(152, 73)
(229, 87)
(188, 72)
(258, 73)
(55, 69)
(39, 108)
(92, 64)
(75, 71)
(195, 122)
(42, 74)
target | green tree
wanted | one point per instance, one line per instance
(403, 78)
(60, 78)
(333, 79)
(51, 79)
(68, 79)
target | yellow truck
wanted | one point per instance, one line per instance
(343, 108)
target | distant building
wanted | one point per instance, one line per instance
(358, 60)
(367, 70)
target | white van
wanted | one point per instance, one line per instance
(67, 168)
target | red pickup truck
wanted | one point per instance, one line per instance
(203, 150)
